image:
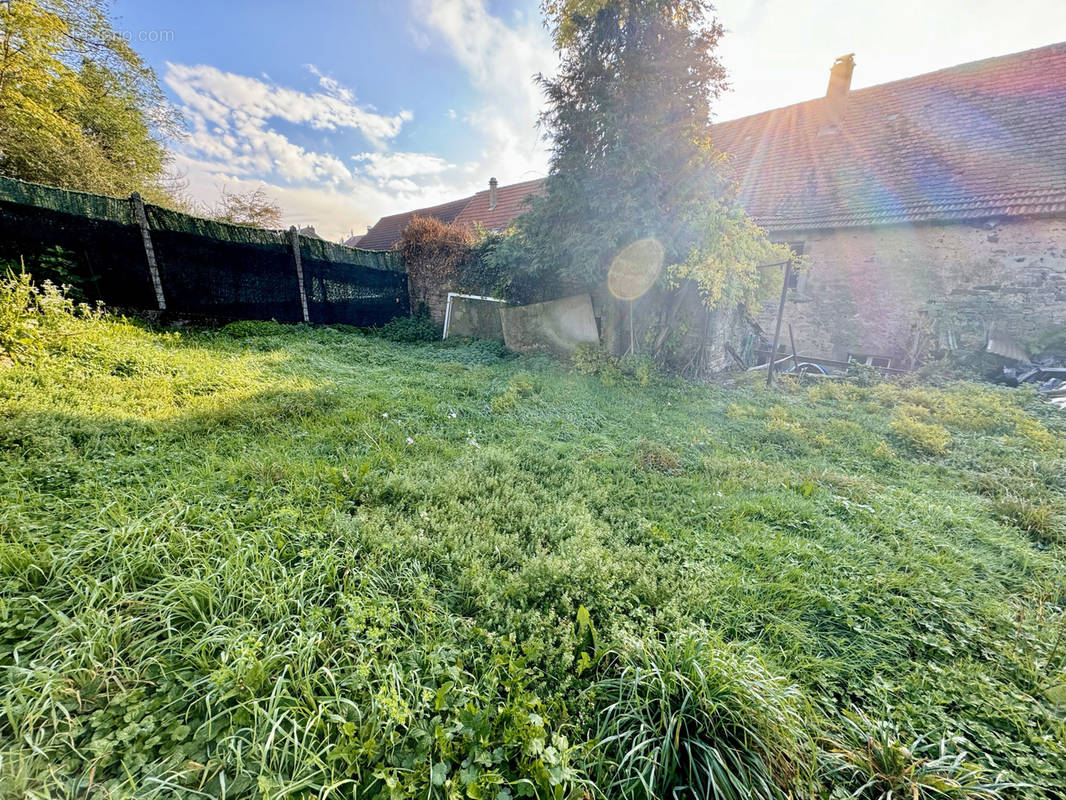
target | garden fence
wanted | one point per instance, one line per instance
(130, 254)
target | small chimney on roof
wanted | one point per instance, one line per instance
(840, 77)
(493, 193)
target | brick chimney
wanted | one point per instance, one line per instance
(493, 193)
(840, 77)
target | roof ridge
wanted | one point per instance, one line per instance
(865, 89)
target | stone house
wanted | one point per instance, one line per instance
(931, 210)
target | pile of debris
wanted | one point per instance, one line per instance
(1047, 370)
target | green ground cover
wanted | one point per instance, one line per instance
(285, 562)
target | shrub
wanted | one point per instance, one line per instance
(641, 368)
(247, 328)
(692, 718)
(419, 328)
(870, 762)
(32, 316)
(433, 252)
(591, 359)
(863, 374)
(925, 438)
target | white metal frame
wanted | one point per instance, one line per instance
(453, 295)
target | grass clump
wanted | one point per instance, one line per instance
(870, 761)
(1038, 519)
(519, 388)
(34, 318)
(689, 718)
(417, 328)
(923, 437)
(655, 456)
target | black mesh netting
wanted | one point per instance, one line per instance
(206, 267)
(101, 260)
(352, 294)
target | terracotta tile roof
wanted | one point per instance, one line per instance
(386, 231)
(979, 140)
(510, 202)
(973, 141)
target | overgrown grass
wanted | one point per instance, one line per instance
(315, 563)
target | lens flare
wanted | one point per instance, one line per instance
(635, 268)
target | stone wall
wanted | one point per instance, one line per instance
(432, 294)
(558, 326)
(870, 291)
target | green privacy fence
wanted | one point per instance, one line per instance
(135, 255)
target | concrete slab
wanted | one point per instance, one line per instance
(556, 325)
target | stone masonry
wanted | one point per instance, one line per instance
(869, 290)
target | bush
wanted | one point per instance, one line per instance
(870, 762)
(591, 359)
(247, 328)
(863, 374)
(419, 328)
(433, 252)
(692, 718)
(32, 317)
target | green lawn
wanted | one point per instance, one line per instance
(319, 563)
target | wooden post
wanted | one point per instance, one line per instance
(777, 328)
(294, 240)
(149, 250)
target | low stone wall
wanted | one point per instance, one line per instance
(872, 290)
(557, 325)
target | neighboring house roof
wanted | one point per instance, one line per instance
(979, 140)
(386, 232)
(309, 232)
(974, 141)
(510, 202)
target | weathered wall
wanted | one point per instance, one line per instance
(869, 290)
(556, 325)
(433, 294)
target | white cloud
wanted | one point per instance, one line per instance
(210, 94)
(401, 165)
(334, 209)
(235, 140)
(502, 62)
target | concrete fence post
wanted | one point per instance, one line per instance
(294, 240)
(149, 250)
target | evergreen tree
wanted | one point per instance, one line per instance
(629, 118)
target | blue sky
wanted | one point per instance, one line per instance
(346, 111)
